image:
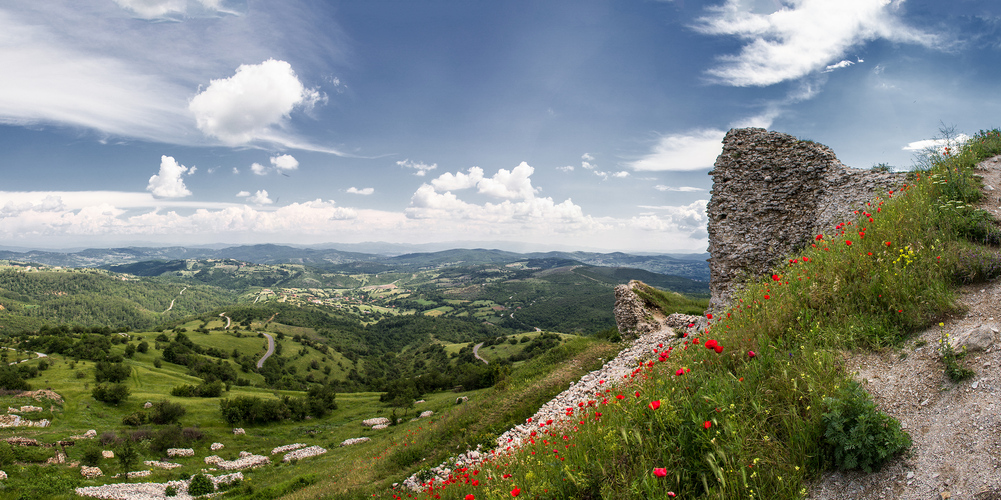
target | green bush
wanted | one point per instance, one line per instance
(111, 394)
(166, 412)
(171, 491)
(857, 435)
(200, 485)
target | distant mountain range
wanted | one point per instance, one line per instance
(692, 266)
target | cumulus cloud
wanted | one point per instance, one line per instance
(260, 198)
(801, 36)
(420, 168)
(363, 191)
(568, 168)
(683, 189)
(937, 145)
(244, 107)
(257, 169)
(169, 182)
(586, 157)
(50, 203)
(520, 207)
(695, 150)
(690, 219)
(243, 194)
(284, 163)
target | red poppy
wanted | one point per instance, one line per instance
(516, 491)
(848, 242)
(719, 349)
(767, 297)
(654, 405)
(751, 354)
(708, 424)
(710, 316)
(470, 497)
(819, 237)
(710, 344)
(775, 277)
(660, 471)
(887, 243)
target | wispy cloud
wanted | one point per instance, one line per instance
(363, 191)
(420, 169)
(801, 36)
(695, 150)
(682, 189)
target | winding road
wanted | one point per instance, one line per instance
(228, 321)
(172, 300)
(476, 353)
(271, 350)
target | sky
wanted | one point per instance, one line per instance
(571, 125)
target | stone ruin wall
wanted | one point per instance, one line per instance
(772, 194)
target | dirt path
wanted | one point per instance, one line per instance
(172, 301)
(476, 353)
(956, 427)
(271, 350)
(228, 321)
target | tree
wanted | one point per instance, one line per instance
(111, 394)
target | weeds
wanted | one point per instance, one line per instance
(950, 358)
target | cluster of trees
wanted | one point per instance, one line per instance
(319, 401)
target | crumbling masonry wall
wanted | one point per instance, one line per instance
(771, 195)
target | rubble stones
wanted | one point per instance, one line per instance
(217, 446)
(239, 431)
(375, 421)
(354, 441)
(312, 451)
(771, 195)
(162, 465)
(107, 454)
(180, 452)
(90, 472)
(288, 447)
(976, 339)
(248, 461)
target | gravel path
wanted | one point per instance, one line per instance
(476, 353)
(271, 350)
(955, 427)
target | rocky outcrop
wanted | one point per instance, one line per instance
(772, 194)
(632, 316)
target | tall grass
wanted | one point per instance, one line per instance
(772, 407)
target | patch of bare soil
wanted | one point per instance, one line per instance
(956, 427)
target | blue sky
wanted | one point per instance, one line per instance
(531, 125)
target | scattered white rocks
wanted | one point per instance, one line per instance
(150, 491)
(16, 421)
(354, 441)
(379, 427)
(107, 454)
(91, 434)
(375, 421)
(149, 404)
(217, 446)
(246, 461)
(162, 465)
(461, 399)
(239, 431)
(3, 475)
(426, 414)
(419, 401)
(24, 409)
(90, 472)
(312, 451)
(180, 452)
(442, 472)
(213, 459)
(288, 447)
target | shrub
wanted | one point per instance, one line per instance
(135, 419)
(111, 394)
(91, 456)
(857, 435)
(166, 412)
(200, 485)
(170, 491)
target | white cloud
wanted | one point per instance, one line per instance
(683, 189)
(586, 157)
(621, 174)
(568, 168)
(236, 171)
(938, 145)
(694, 150)
(260, 198)
(284, 162)
(690, 219)
(459, 180)
(510, 184)
(168, 183)
(192, 170)
(258, 169)
(243, 194)
(843, 64)
(244, 107)
(363, 191)
(801, 36)
(421, 168)
(170, 9)
(587, 165)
